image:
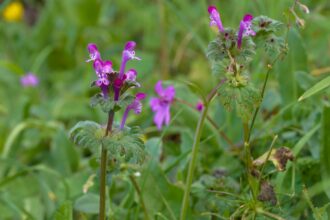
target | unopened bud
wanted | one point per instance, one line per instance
(300, 22)
(304, 8)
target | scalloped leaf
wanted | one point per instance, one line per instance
(275, 45)
(242, 98)
(108, 104)
(87, 134)
(263, 25)
(125, 145)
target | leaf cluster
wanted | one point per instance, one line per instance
(124, 146)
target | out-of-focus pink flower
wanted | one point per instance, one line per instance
(29, 80)
(136, 106)
(161, 105)
(215, 18)
(200, 106)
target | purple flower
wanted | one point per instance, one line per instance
(200, 106)
(128, 54)
(161, 105)
(102, 70)
(131, 76)
(29, 80)
(93, 52)
(245, 29)
(215, 18)
(136, 105)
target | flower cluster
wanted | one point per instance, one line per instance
(244, 27)
(116, 83)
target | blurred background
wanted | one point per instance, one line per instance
(40, 168)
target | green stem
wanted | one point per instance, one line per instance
(138, 190)
(195, 147)
(248, 161)
(192, 163)
(103, 169)
(270, 67)
(212, 122)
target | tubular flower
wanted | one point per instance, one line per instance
(93, 52)
(215, 18)
(102, 70)
(161, 105)
(136, 106)
(131, 76)
(128, 54)
(200, 106)
(29, 80)
(245, 29)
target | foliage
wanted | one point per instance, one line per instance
(43, 175)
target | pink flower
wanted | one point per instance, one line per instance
(215, 18)
(29, 80)
(102, 70)
(136, 106)
(128, 54)
(93, 52)
(161, 105)
(245, 29)
(200, 106)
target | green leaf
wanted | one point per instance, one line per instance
(87, 134)
(263, 25)
(274, 45)
(108, 104)
(64, 212)
(324, 83)
(243, 98)
(125, 145)
(88, 203)
(125, 101)
(296, 60)
(325, 147)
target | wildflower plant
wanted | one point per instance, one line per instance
(115, 143)
(231, 54)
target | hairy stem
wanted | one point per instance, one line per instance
(138, 190)
(195, 147)
(103, 168)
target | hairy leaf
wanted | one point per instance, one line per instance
(108, 104)
(263, 25)
(87, 134)
(242, 98)
(125, 145)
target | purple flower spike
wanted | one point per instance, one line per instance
(136, 105)
(93, 52)
(161, 105)
(215, 18)
(128, 54)
(199, 106)
(245, 29)
(29, 80)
